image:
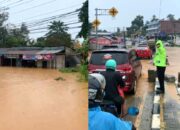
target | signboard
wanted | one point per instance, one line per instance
(12, 56)
(96, 23)
(113, 11)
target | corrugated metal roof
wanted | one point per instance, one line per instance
(31, 51)
(21, 52)
(50, 51)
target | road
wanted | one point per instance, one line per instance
(31, 99)
(144, 87)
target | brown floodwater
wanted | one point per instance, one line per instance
(31, 99)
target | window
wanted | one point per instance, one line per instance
(100, 58)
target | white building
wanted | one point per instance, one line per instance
(153, 28)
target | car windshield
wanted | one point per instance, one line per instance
(100, 58)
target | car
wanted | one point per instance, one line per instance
(128, 65)
(113, 46)
(166, 44)
(143, 51)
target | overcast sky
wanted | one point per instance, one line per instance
(129, 9)
(33, 10)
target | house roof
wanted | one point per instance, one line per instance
(31, 51)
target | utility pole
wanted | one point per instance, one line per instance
(113, 12)
(96, 14)
(124, 35)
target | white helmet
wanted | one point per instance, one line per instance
(96, 86)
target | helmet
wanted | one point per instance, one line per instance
(111, 64)
(96, 86)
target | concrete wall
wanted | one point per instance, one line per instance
(60, 61)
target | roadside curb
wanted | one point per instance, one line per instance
(157, 113)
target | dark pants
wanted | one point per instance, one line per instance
(119, 102)
(161, 76)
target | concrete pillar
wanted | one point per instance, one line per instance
(151, 75)
(39, 64)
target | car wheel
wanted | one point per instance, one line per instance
(134, 87)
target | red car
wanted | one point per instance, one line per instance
(143, 51)
(127, 64)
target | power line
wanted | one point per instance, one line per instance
(19, 1)
(67, 24)
(42, 4)
(22, 3)
(53, 11)
(45, 20)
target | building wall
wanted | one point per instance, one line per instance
(60, 61)
(170, 27)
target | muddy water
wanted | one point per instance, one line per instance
(143, 86)
(30, 99)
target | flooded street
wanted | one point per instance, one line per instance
(143, 86)
(31, 99)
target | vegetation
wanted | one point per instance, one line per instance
(80, 69)
(170, 17)
(12, 37)
(83, 17)
(137, 26)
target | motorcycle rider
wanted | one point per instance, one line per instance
(113, 81)
(98, 119)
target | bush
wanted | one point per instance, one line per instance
(82, 69)
(84, 72)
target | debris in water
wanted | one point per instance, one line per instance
(59, 78)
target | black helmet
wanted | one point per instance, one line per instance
(96, 86)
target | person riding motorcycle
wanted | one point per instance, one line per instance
(113, 81)
(98, 119)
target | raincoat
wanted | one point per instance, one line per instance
(160, 55)
(99, 120)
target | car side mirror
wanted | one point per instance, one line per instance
(133, 111)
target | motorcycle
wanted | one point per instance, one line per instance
(109, 106)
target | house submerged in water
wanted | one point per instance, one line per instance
(47, 57)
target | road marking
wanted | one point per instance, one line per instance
(156, 99)
(155, 121)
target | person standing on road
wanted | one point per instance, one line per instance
(113, 81)
(98, 119)
(159, 61)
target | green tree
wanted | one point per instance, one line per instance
(154, 18)
(18, 36)
(24, 32)
(170, 17)
(136, 26)
(57, 35)
(3, 30)
(40, 42)
(83, 17)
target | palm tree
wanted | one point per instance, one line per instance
(58, 35)
(57, 28)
